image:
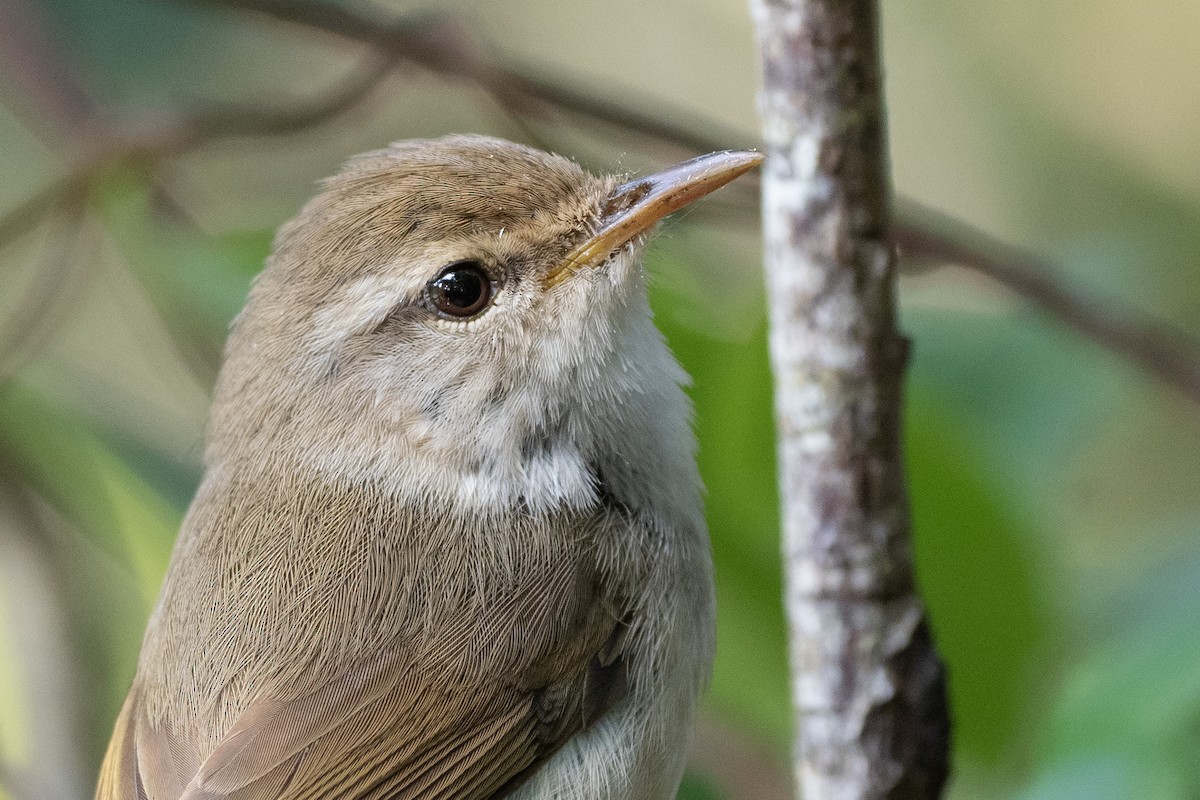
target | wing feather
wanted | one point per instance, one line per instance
(174, 761)
(434, 724)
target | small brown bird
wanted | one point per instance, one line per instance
(449, 542)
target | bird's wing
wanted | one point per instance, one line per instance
(464, 718)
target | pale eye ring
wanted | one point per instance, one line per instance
(460, 291)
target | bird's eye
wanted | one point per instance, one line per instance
(461, 290)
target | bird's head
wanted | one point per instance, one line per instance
(465, 320)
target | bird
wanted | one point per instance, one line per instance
(449, 540)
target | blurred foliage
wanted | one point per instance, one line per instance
(1054, 488)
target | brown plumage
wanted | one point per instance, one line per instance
(436, 555)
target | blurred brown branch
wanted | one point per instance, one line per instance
(43, 307)
(442, 45)
(235, 120)
(39, 76)
(925, 233)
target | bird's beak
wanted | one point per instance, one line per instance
(635, 206)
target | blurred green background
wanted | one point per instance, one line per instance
(1054, 484)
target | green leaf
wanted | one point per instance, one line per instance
(735, 427)
(977, 579)
(1135, 698)
(107, 564)
(695, 787)
(1027, 393)
(61, 458)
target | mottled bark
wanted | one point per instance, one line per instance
(868, 687)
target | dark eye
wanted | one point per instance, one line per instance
(462, 289)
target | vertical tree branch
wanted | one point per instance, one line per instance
(868, 687)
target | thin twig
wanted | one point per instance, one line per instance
(39, 73)
(148, 144)
(441, 45)
(193, 342)
(227, 121)
(1162, 352)
(44, 306)
(30, 212)
(180, 133)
